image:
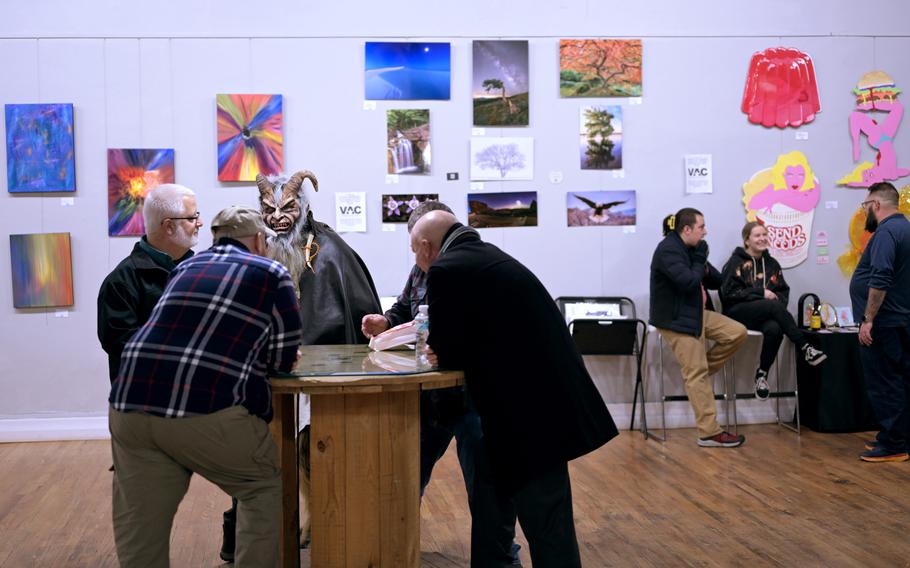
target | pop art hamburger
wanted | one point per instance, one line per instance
(874, 87)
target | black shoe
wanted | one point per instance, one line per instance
(229, 528)
(813, 356)
(762, 392)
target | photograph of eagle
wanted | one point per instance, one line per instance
(601, 210)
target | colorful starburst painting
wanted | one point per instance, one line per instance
(131, 175)
(249, 136)
(42, 269)
(40, 148)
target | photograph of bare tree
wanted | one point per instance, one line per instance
(502, 158)
(600, 67)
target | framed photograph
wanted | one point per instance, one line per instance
(509, 209)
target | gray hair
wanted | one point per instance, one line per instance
(425, 208)
(164, 201)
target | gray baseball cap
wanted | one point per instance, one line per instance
(238, 222)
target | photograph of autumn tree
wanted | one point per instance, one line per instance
(502, 158)
(408, 137)
(500, 84)
(511, 209)
(600, 67)
(601, 138)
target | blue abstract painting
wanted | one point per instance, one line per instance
(407, 71)
(40, 148)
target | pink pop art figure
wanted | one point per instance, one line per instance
(875, 92)
(780, 88)
(792, 184)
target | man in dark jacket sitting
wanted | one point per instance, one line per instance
(680, 273)
(538, 407)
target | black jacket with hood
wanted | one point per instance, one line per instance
(745, 279)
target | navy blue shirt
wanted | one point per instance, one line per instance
(885, 265)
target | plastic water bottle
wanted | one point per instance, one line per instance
(423, 332)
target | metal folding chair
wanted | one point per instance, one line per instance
(621, 335)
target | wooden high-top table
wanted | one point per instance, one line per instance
(364, 455)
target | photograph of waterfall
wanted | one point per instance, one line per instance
(600, 208)
(601, 137)
(500, 85)
(396, 71)
(398, 208)
(509, 209)
(408, 141)
(500, 159)
(600, 67)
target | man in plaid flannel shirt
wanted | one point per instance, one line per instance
(192, 395)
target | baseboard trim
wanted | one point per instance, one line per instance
(54, 429)
(678, 414)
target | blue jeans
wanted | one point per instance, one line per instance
(886, 369)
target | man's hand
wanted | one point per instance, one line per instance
(769, 295)
(865, 333)
(700, 254)
(373, 324)
(431, 357)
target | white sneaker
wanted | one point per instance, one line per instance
(813, 356)
(762, 392)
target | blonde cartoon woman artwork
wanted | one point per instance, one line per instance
(783, 199)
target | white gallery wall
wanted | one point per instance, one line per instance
(147, 76)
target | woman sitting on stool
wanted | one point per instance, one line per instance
(755, 294)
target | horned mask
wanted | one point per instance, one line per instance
(282, 203)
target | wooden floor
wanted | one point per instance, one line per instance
(781, 500)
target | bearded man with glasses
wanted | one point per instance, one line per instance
(132, 289)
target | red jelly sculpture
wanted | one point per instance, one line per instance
(780, 89)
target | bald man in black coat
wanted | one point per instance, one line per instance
(539, 409)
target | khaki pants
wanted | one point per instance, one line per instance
(154, 458)
(699, 364)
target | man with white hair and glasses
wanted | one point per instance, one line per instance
(132, 289)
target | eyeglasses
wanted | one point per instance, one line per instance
(193, 217)
(864, 203)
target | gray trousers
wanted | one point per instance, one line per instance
(154, 458)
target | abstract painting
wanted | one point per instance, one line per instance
(396, 71)
(783, 199)
(131, 174)
(398, 208)
(408, 136)
(249, 136)
(600, 67)
(42, 270)
(500, 85)
(510, 209)
(502, 158)
(601, 138)
(600, 208)
(40, 148)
